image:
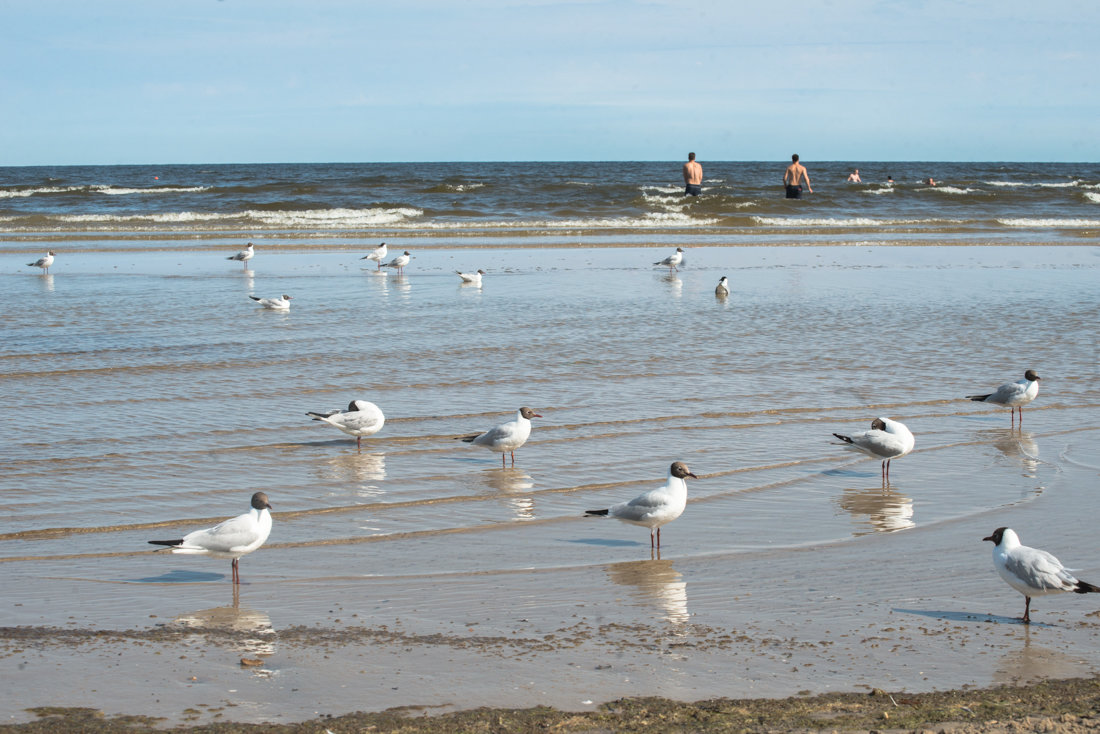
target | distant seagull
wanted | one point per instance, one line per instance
(1031, 571)
(362, 418)
(399, 262)
(1013, 394)
(244, 255)
(656, 507)
(723, 288)
(378, 254)
(673, 260)
(230, 539)
(887, 439)
(474, 278)
(281, 303)
(43, 262)
(507, 437)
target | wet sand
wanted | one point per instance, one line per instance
(414, 574)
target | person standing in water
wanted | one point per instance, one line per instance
(792, 179)
(693, 176)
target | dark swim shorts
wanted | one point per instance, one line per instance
(693, 189)
(794, 192)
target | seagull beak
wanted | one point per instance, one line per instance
(989, 538)
(536, 415)
(692, 475)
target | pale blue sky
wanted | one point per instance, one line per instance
(238, 81)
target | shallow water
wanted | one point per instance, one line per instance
(148, 396)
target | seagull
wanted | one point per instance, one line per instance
(471, 277)
(887, 439)
(43, 262)
(232, 538)
(362, 418)
(673, 260)
(244, 255)
(378, 254)
(399, 262)
(1013, 394)
(656, 507)
(1031, 571)
(282, 303)
(507, 437)
(723, 288)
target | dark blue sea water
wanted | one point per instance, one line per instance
(549, 203)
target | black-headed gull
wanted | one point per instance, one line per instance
(656, 507)
(1013, 395)
(887, 439)
(43, 262)
(282, 303)
(1031, 571)
(399, 262)
(474, 278)
(232, 538)
(723, 288)
(378, 254)
(362, 418)
(244, 255)
(673, 260)
(507, 437)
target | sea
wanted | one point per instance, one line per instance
(147, 395)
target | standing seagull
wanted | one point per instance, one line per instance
(673, 260)
(507, 437)
(1013, 394)
(399, 262)
(1031, 571)
(43, 262)
(723, 288)
(886, 440)
(474, 278)
(656, 507)
(244, 255)
(362, 418)
(233, 538)
(378, 254)
(281, 303)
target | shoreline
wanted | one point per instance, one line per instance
(1067, 706)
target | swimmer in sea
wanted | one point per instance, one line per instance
(792, 179)
(853, 177)
(693, 176)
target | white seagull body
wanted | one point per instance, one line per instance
(723, 288)
(1031, 571)
(399, 262)
(282, 303)
(244, 255)
(887, 439)
(233, 538)
(474, 278)
(378, 254)
(507, 437)
(1013, 395)
(43, 262)
(362, 418)
(673, 260)
(656, 507)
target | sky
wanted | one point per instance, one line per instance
(259, 81)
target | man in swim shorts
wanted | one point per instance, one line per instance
(792, 179)
(693, 176)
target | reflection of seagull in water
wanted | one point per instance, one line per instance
(1013, 395)
(255, 634)
(1031, 571)
(506, 437)
(509, 481)
(885, 509)
(673, 260)
(378, 254)
(1017, 445)
(362, 418)
(233, 538)
(657, 582)
(887, 439)
(656, 507)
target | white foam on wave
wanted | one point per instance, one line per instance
(848, 222)
(652, 220)
(663, 189)
(113, 191)
(1050, 223)
(21, 193)
(956, 190)
(99, 189)
(883, 190)
(1093, 197)
(1026, 185)
(316, 217)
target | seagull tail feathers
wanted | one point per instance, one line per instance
(1083, 587)
(467, 439)
(845, 439)
(178, 541)
(254, 298)
(596, 513)
(979, 398)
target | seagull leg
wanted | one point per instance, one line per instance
(236, 573)
(658, 539)
(1027, 610)
(358, 442)
(513, 458)
(651, 545)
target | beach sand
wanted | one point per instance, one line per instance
(418, 575)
